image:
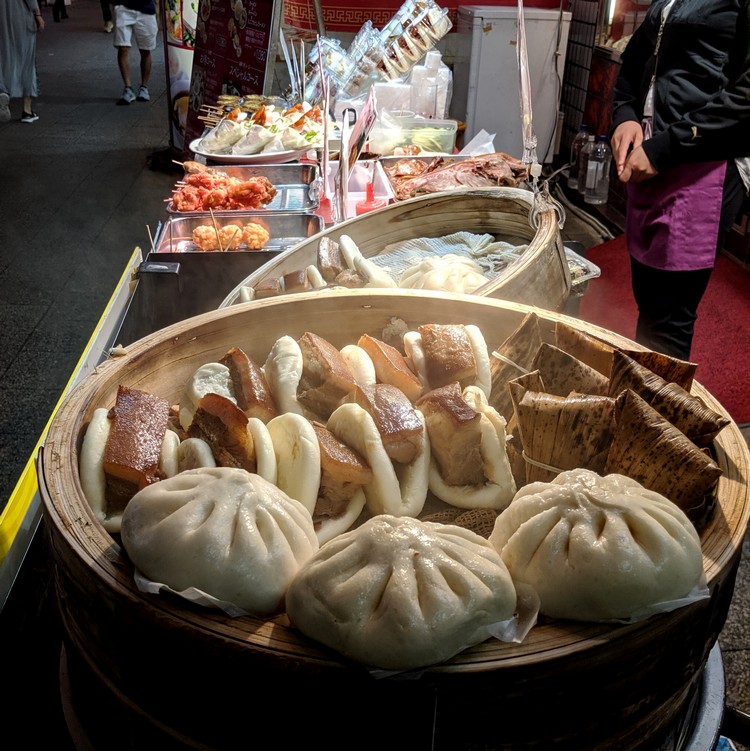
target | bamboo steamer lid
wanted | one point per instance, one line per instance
(201, 673)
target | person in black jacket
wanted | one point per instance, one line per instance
(134, 19)
(681, 127)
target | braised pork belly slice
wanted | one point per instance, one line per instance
(342, 472)
(326, 377)
(449, 356)
(223, 426)
(455, 435)
(391, 366)
(250, 385)
(395, 418)
(330, 259)
(131, 456)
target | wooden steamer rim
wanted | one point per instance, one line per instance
(540, 277)
(96, 576)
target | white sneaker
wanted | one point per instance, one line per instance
(143, 95)
(128, 96)
(4, 107)
(108, 26)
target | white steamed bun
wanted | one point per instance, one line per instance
(222, 530)
(398, 593)
(598, 548)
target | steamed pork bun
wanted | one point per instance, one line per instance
(222, 530)
(398, 593)
(598, 548)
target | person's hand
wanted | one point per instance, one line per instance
(627, 136)
(39, 22)
(638, 167)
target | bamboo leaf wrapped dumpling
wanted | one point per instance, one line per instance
(686, 412)
(599, 548)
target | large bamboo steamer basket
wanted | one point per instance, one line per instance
(211, 681)
(540, 277)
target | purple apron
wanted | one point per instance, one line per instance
(672, 219)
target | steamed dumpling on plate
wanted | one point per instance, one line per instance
(254, 141)
(221, 138)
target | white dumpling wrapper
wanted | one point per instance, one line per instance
(221, 530)
(447, 273)
(254, 140)
(211, 378)
(398, 593)
(499, 486)
(222, 137)
(395, 488)
(360, 363)
(598, 548)
(91, 462)
(283, 371)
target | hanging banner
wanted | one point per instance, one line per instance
(179, 19)
(232, 43)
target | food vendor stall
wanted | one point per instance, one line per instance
(163, 659)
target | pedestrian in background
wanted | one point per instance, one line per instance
(681, 122)
(135, 20)
(59, 11)
(20, 22)
(107, 16)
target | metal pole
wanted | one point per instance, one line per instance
(319, 22)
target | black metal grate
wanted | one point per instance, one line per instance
(581, 42)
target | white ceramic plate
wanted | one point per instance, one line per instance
(269, 157)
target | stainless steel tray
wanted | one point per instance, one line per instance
(286, 229)
(297, 186)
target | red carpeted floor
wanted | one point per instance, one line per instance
(721, 346)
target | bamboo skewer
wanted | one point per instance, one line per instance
(151, 239)
(216, 229)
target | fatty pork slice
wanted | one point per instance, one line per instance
(449, 355)
(343, 472)
(223, 426)
(250, 385)
(454, 428)
(326, 377)
(396, 419)
(391, 366)
(138, 423)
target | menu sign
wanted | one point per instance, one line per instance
(179, 19)
(233, 41)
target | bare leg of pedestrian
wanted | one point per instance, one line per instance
(123, 62)
(143, 93)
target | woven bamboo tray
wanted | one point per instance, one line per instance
(211, 681)
(540, 277)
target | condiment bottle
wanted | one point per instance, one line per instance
(583, 163)
(597, 173)
(369, 203)
(575, 151)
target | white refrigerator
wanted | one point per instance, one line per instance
(486, 92)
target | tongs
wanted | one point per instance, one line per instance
(341, 183)
(325, 208)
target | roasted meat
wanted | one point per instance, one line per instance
(485, 171)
